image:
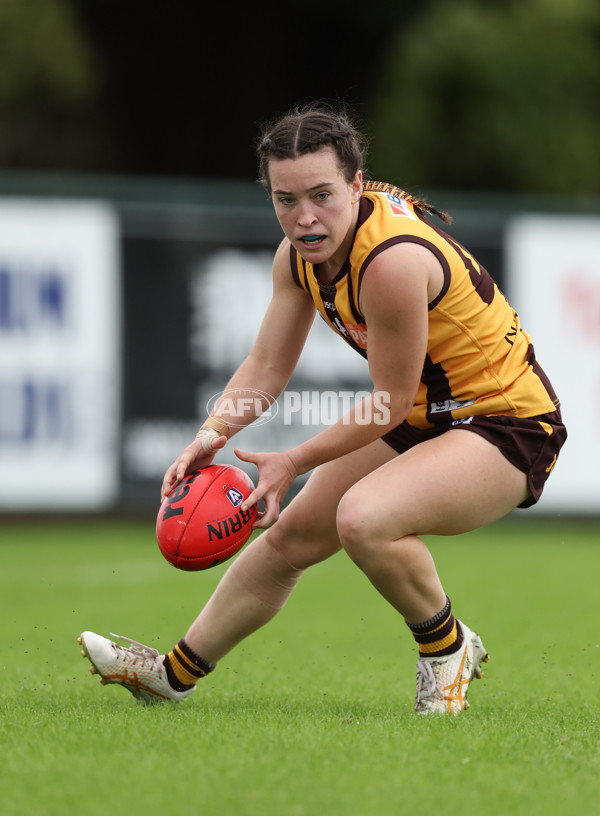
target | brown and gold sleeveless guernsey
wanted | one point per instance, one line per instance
(479, 361)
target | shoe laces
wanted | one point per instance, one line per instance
(426, 682)
(138, 652)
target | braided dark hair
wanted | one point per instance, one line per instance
(306, 129)
(309, 127)
(420, 203)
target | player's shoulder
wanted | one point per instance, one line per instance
(285, 267)
(283, 251)
(282, 262)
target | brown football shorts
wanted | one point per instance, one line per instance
(531, 444)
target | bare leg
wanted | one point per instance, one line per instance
(234, 612)
(258, 583)
(445, 486)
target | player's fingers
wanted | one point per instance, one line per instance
(207, 440)
(183, 464)
(269, 517)
(247, 456)
(271, 512)
(169, 482)
(175, 473)
(254, 497)
(219, 442)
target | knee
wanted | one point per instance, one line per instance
(265, 573)
(300, 540)
(356, 527)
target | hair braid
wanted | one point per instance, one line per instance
(420, 203)
(306, 129)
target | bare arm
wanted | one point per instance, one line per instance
(274, 355)
(394, 298)
(267, 368)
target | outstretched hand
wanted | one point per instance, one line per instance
(199, 453)
(276, 472)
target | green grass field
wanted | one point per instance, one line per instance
(313, 714)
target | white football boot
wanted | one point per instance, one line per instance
(443, 682)
(137, 668)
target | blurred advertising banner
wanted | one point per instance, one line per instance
(553, 282)
(193, 312)
(126, 305)
(60, 344)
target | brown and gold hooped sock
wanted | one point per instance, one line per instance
(438, 636)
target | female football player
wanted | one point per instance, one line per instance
(471, 427)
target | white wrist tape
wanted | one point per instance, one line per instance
(206, 435)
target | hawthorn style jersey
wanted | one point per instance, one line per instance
(479, 361)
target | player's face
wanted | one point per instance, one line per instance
(316, 207)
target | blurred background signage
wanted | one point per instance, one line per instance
(60, 347)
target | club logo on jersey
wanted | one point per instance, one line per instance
(339, 326)
(398, 206)
(234, 496)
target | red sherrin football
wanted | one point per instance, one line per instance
(201, 522)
